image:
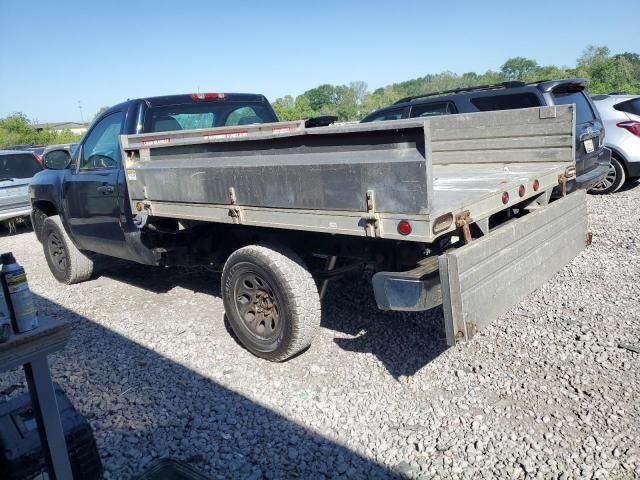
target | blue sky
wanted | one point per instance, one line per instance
(54, 53)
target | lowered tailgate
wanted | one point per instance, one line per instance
(483, 279)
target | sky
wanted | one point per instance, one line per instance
(56, 56)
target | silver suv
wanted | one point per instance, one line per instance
(620, 115)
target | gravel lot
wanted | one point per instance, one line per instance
(545, 392)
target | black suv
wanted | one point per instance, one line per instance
(592, 158)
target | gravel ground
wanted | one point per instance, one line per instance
(544, 392)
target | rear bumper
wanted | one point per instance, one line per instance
(20, 211)
(589, 179)
(482, 280)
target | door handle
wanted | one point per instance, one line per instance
(106, 189)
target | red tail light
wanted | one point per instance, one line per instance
(632, 126)
(404, 227)
(536, 185)
(208, 96)
(39, 159)
(505, 197)
(522, 190)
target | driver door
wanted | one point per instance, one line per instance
(93, 193)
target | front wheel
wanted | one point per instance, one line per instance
(67, 264)
(616, 176)
(271, 301)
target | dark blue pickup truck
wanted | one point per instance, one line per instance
(83, 197)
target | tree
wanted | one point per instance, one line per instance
(16, 129)
(100, 112)
(518, 68)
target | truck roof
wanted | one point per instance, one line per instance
(164, 100)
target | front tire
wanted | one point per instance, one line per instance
(67, 264)
(616, 176)
(271, 301)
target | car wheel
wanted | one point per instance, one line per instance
(616, 176)
(271, 301)
(67, 264)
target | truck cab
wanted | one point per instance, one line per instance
(88, 189)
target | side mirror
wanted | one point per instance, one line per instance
(57, 159)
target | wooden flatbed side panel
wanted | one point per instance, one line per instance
(487, 277)
(515, 136)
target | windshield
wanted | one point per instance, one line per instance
(584, 114)
(18, 166)
(205, 115)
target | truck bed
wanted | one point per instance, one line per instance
(355, 179)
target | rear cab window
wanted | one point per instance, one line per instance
(18, 165)
(200, 115)
(510, 101)
(584, 112)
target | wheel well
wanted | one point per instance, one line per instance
(621, 159)
(42, 210)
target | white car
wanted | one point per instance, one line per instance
(17, 168)
(621, 117)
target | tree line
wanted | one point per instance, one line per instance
(608, 73)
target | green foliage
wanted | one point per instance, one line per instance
(100, 112)
(519, 68)
(617, 73)
(17, 130)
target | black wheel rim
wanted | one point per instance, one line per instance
(57, 252)
(257, 305)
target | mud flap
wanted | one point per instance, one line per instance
(485, 278)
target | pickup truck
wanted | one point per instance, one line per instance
(453, 210)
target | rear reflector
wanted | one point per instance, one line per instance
(505, 197)
(522, 190)
(404, 227)
(208, 96)
(442, 223)
(536, 185)
(631, 126)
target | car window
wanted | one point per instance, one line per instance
(243, 116)
(584, 113)
(101, 149)
(18, 166)
(630, 106)
(388, 115)
(432, 109)
(505, 102)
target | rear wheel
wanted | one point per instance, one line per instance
(616, 176)
(271, 301)
(67, 263)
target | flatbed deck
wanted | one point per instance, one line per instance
(360, 179)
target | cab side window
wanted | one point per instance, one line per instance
(101, 149)
(433, 109)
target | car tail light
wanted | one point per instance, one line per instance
(505, 197)
(536, 185)
(632, 126)
(442, 223)
(208, 96)
(522, 190)
(404, 227)
(39, 159)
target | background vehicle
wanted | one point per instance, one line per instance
(213, 179)
(70, 147)
(16, 171)
(592, 158)
(621, 117)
